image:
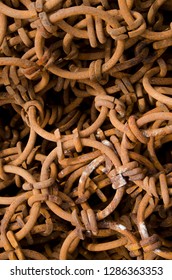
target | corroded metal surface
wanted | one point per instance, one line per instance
(85, 129)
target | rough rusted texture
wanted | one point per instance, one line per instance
(85, 129)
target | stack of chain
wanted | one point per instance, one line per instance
(85, 129)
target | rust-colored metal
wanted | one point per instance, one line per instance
(85, 129)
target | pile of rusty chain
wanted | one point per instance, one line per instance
(85, 129)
